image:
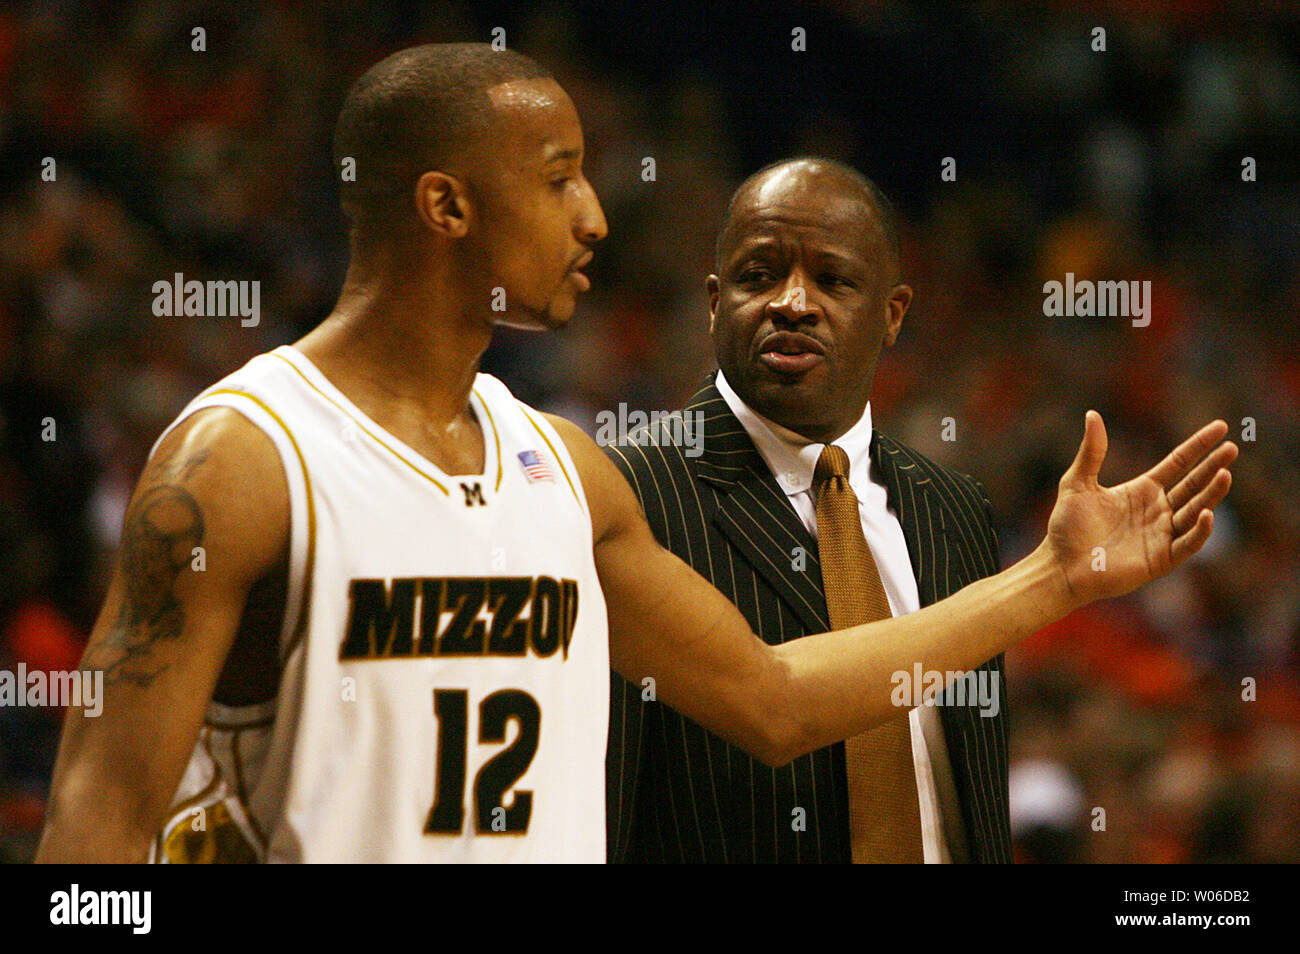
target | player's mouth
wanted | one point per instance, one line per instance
(579, 279)
(788, 352)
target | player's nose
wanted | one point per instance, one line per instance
(590, 225)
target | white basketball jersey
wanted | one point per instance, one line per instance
(445, 662)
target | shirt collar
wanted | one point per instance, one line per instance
(792, 458)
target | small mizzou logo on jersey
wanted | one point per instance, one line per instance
(444, 616)
(473, 495)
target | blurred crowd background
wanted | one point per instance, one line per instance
(1117, 165)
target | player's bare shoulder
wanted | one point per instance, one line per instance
(208, 518)
(225, 471)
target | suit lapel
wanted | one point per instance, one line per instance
(754, 513)
(912, 497)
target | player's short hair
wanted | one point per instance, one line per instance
(413, 111)
(870, 193)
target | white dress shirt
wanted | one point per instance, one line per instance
(792, 459)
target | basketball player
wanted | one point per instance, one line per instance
(367, 600)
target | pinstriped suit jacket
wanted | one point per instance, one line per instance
(676, 792)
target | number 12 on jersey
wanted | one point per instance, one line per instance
(491, 817)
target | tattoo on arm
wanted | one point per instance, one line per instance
(158, 540)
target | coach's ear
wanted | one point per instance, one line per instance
(896, 305)
(711, 287)
(442, 203)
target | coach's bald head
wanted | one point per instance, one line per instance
(879, 220)
(807, 292)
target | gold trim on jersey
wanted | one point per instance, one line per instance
(362, 427)
(496, 436)
(304, 604)
(558, 459)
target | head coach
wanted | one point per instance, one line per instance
(807, 517)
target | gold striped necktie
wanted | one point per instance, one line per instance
(884, 814)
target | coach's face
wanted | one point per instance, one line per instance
(805, 299)
(538, 216)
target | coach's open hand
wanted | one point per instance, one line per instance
(1110, 540)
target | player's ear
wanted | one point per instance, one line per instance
(442, 203)
(896, 305)
(711, 287)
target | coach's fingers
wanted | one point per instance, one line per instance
(1187, 544)
(1186, 455)
(1201, 475)
(1210, 497)
(1085, 467)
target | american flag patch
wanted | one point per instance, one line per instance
(536, 466)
